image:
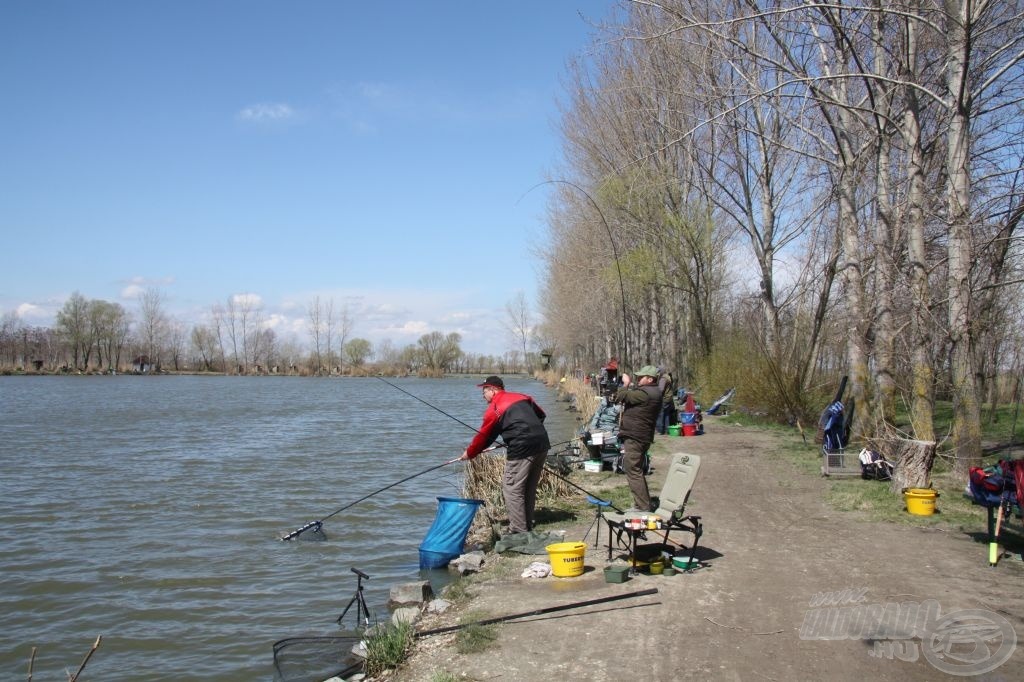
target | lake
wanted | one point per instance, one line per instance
(149, 509)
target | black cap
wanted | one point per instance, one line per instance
(493, 381)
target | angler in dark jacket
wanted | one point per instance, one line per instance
(641, 405)
(520, 423)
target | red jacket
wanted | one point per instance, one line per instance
(518, 420)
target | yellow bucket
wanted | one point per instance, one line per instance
(566, 558)
(920, 501)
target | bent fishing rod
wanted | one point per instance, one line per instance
(317, 525)
(472, 428)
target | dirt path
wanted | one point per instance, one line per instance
(771, 546)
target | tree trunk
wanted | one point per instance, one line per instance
(966, 412)
(913, 461)
(922, 406)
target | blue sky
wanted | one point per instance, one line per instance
(376, 154)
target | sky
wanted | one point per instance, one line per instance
(385, 156)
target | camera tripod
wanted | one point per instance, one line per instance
(360, 602)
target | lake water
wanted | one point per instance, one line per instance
(148, 510)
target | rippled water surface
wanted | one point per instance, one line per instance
(148, 510)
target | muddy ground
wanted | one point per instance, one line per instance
(771, 549)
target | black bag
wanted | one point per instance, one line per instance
(873, 466)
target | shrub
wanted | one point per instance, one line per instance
(388, 647)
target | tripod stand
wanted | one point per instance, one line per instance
(598, 517)
(360, 602)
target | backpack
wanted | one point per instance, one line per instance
(874, 467)
(989, 485)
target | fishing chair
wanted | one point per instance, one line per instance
(624, 529)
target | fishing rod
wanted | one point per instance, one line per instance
(315, 526)
(472, 428)
(615, 254)
(538, 612)
(433, 407)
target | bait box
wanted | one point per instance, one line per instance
(616, 574)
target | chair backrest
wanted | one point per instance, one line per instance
(682, 472)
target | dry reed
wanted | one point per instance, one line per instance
(484, 474)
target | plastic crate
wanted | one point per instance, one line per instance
(839, 463)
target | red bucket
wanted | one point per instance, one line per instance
(689, 429)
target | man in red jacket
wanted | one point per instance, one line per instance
(520, 423)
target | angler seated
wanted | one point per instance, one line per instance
(605, 421)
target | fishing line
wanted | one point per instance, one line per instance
(426, 403)
(615, 254)
(472, 428)
(316, 526)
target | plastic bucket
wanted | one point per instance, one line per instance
(688, 417)
(683, 563)
(674, 429)
(689, 429)
(920, 501)
(566, 558)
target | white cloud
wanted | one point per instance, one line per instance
(414, 327)
(248, 300)
(132, 291)
(30, 311)
(286, 324)
(401, 316)
(266, 112)
(138, 285)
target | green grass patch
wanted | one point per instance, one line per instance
(880, 503)
(388, 647)
(1003, 425)
(443, 676)
(874, 499)
(458, 592)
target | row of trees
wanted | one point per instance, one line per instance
(97, 335)
(821, 189)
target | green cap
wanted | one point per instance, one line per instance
(647, 371)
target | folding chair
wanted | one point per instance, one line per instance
(669, 516)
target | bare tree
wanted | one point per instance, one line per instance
(328, 320)
(153, 325)
(111, 325)
(205, 344)
(519, 321)
(10, 333)
(437, 351)
(316, 330)
(73, 325)
(177, 333)
(344, 327)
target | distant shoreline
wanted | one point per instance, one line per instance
(165, 373)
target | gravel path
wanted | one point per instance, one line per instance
(773, 551)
